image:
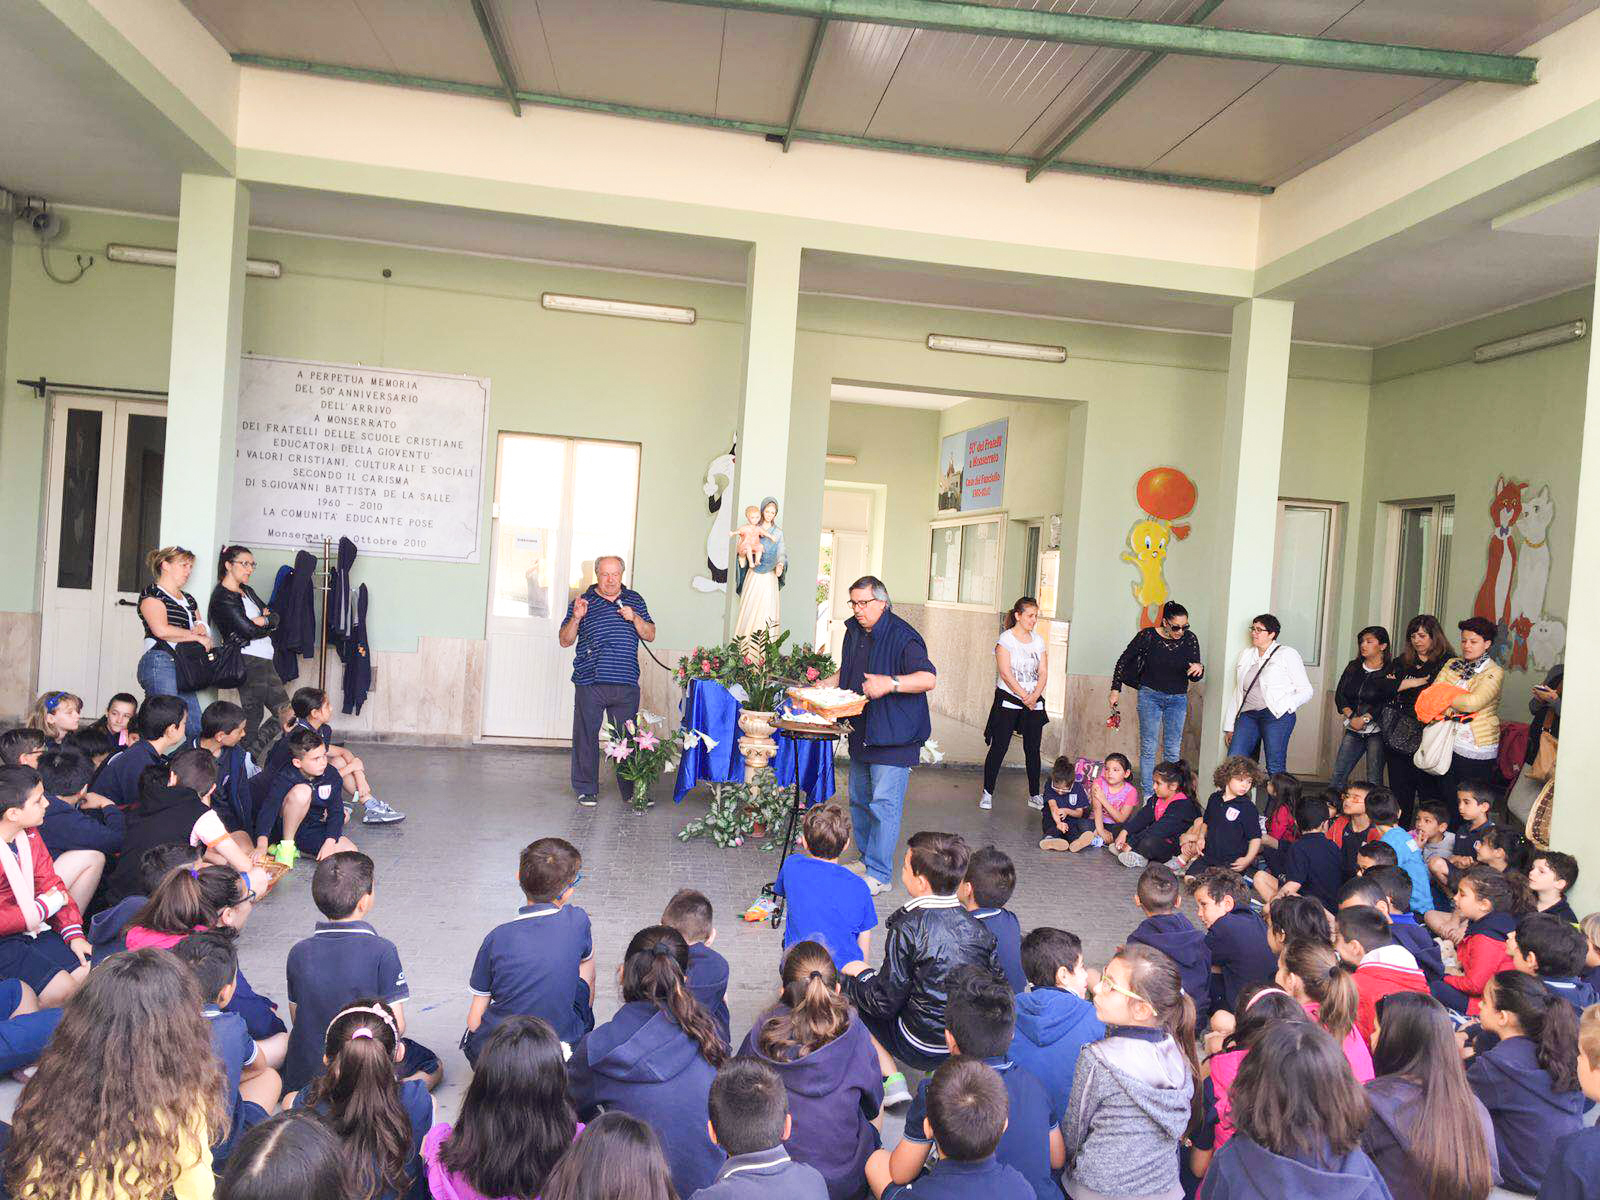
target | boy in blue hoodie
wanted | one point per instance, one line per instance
(1575, 1166)
(1055, 1019)
(991, 878)
(1164, 928)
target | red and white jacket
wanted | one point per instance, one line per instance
(68, 922)
(1382, 972)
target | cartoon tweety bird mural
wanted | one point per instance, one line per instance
(1166, 495)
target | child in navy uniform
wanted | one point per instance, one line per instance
(967, 1111)
(1529, 1079)
(342, 961)
(541, 962)
(823, 901)
(222, 728)
(1553, 952)
(1164, 928)
(690, 913)
(1312, 864)
(1409, 932)
(1551, 875)
(1474, 800)
(252, 1088)
(1236, 937)
(312, 711)
(162, 727)
(750, 1121)
(1574, 1172)
(1064, 802)
(1055, 1018)
(83, 833)
(1232, 834)
(991, 878)
(303, 802)
(981, 1019)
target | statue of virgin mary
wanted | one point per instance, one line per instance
(759, 585)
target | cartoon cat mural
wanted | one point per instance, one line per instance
(1532, 574)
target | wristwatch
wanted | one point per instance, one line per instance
(894, 682)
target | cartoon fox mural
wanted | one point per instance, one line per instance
(1494, 593)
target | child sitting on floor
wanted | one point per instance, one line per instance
(1113, 799)
(966, 1120)
(1384, 810)
(1311, 864)
(1574, 1172)
(1352, 828)
(991, 878)
(1395, 886)
(117, 718)
(1379, 965)
(1312, 973)
(1433, 836)
(537, 968)
(41, 931)
(1158, 896)
(222, 728)
(823, 901)
(56, 714)
(1475, 799)
(108, 928)
(83, 833)
(1236, 937)
(902, 1002)
(1155, 833)
(750, 1121)
(162, 726)
(1553, 952)
(1055, 1017)
(1490, 903)
(1551, 875)
(1064, 802)
(1231, 834)
(312, 712)
(304, 803)
(690, 913)
(343, 960)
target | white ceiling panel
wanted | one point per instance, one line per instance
(763, 57)
(636, 51)
(436, 38)
(853, 70)
(326, 31)
(522, 29)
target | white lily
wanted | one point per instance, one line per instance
(930, 752)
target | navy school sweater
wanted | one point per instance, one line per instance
(1529, 1115)
(1175, 936)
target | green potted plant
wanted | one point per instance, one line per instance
(643, 751)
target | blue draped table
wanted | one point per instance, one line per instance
(711, 709)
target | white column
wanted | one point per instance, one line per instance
(1247, 503)
(203, 387)
(1573, 827)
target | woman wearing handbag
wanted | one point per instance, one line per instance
(170, 616)
(1270, 683)
(1475, 752)
(1427, 650)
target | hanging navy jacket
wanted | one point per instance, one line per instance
(341, 618)
(356, 655)
(1243, 1170)
(641, 1062)
(1529, 1115)
(295, 602)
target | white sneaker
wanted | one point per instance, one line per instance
(877, 887)
(1098, 842)
(1137, 862)
(986, 801)
(1036, 803)
(378, 813)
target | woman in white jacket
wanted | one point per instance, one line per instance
(1269, 684)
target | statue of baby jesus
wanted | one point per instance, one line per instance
(750, 535)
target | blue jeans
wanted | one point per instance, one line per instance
(1163, 712)
(877, 793)
(1353, 747)
(1257, 726)
(158, 676)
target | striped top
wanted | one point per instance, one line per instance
(608, 646)
(182, 614)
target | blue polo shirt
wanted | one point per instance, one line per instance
(608, 647)
(1025, 1145)
(1239, 956)
(827, 903)
(529, 967)
(1317, 865)
(1231, 824)
(342, 962)
(118, 780)
(988, 1178)
(1003, 923)
(708, 980)
(235, 1050)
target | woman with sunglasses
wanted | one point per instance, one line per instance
(1269, 685)
(239, 615)
(1161, 662)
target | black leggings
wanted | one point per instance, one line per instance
(1411, 785)
(1003, 722)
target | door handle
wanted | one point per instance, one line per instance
(128, 603)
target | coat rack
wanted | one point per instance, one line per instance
(324, 585)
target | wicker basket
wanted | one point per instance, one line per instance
(805, 698)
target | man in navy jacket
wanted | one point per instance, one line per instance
(885, 660)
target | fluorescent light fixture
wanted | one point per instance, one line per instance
(618, 308)
(966, 345)
(152, 256)
(839, 460)
(1556, 335)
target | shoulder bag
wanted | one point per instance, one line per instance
(1398, 724)
(1543, 765)
(1245, 695)
(1435, 752)
(198, 667)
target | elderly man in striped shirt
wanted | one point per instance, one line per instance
(607, 622)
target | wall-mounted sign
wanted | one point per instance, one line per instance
(393, 460)
(972, 468)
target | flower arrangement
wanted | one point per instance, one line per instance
(758, 664)
(738, 809)
(643, 750)
(703, 662)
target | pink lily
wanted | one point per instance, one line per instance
(618, 751)
(647, 740)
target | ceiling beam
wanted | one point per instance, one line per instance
(773, 133)
(805, 81)
(1128, 83)
(1156, 37)
(497, 51)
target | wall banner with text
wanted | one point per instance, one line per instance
(972, 468)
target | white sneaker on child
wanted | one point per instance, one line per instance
(1036, 803)
(1136, 862)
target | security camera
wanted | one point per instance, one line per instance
(46, 225)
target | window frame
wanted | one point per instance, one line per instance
(995, 517)
(1394, 619)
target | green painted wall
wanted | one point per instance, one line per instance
(1443, 426)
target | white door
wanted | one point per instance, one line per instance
(103, 516)
(1302, 599)
(559, 504)
(850, 563)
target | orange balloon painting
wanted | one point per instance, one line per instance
(1165, 495)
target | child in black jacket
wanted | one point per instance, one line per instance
(1152, 833)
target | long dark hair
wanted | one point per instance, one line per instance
(1328, 981)
(1177, 771)
(1417, 1043)
(1381, 636)
(229, 553)
(293, 1156)
(1547, 1021)
(516, 1120)
(1295, 1094)
(618, 1157)
(363, 1100)
(190, 897)
(1021, 606)
(814, 1012)
(1439, 648)
(1283, 791)
(656, 971)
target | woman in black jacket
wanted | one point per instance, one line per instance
(239, 615)
(1427, 651)
(1365, 687)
